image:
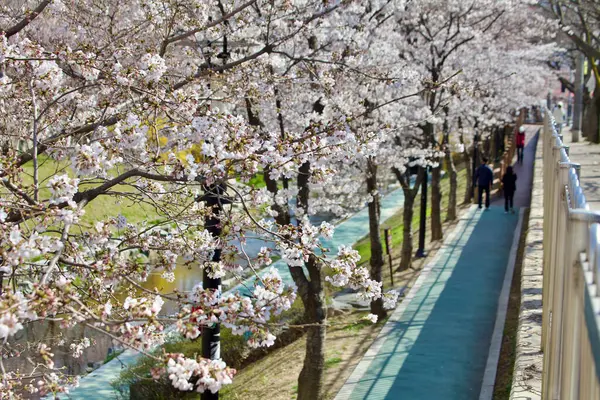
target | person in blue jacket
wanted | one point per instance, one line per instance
(484, 178)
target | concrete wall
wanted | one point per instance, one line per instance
(527, 377)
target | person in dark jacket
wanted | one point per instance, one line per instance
(520, 144)
(484, 178)
(509, 185)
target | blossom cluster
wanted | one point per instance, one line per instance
(188, 374)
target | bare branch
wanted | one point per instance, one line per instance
(27, 20)
(172, 39)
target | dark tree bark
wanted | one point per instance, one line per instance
(436, 203)
(310, 381)
(407, 216)
(436, 190)
(375, 236)
(452, 203)
(469, 168)
(407, 235)
(451, 170)
(592, 116)
(587, 101)
(310, 289)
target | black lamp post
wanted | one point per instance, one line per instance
(475, 142)
(423, 222)
(215, 198)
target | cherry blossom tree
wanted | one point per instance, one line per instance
(441, 39)
(140, 102)
(575, 25)
(171, 106)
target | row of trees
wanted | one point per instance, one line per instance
(164, 103)
(579, 21)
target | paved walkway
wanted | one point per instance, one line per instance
(443, 341)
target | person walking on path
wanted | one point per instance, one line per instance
(559, 117)
(484, 178)
(509, 185)
(520, 144)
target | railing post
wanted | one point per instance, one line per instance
(574, 303)
(548, 181)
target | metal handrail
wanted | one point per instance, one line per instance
(570, 298)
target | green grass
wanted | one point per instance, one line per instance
(102, 207)
(234, 351)
(112, 356)
(257, 181)
(330, 362)
(357, 326)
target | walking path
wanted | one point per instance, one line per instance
(443, 341)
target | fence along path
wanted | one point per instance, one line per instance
(570, 297)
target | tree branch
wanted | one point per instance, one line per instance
(25, 21)
(172, 39)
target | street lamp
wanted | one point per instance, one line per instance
(475, 142)
(214, 198)
(424, 183)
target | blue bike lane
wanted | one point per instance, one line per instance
(436, 344)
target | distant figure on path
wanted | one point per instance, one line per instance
(559, 117)
(484, 178)
(520, 144)
(509, 185)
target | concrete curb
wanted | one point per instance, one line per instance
(527, 376)
(489, 377)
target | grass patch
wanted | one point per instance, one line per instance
(330, 362)
(343, 351)
(357, 326)
(142, 386)
(112, 356)
(257, 181)
(506, 362)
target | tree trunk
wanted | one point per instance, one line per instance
(587, 101)
(451, 168)
(436, 204)
(375, 236)
(407, 236)
(591, 119)
(469, 168)
(310, 380)
(408, 213)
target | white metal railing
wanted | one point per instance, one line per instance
(570, 298)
